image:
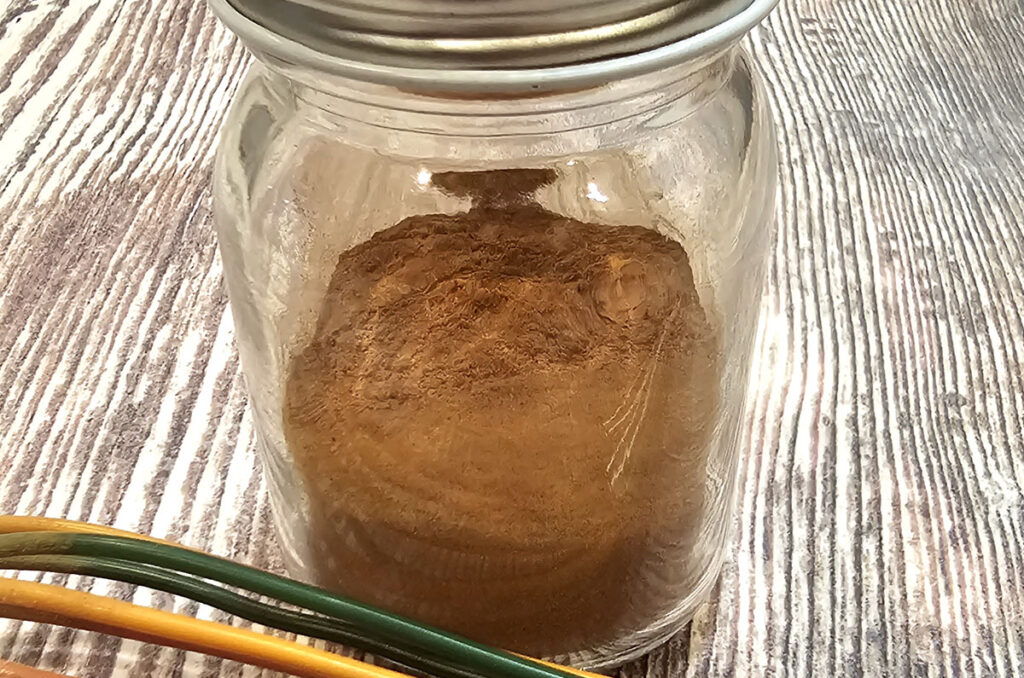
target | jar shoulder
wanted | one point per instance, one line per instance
(710, 133)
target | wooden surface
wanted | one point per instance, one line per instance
(881, 523)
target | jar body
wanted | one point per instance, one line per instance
(497, 351)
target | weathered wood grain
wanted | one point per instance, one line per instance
(880, 529)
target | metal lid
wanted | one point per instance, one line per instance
(489, 45)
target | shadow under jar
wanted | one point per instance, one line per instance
(496, 317)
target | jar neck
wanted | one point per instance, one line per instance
(331, 100)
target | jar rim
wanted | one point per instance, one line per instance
(274, 47)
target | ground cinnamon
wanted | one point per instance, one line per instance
(502, 420)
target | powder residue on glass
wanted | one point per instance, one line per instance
(502, 420)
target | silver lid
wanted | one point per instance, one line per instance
(489, 45)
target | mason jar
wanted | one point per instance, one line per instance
(495, 270)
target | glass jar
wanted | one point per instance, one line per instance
(496, 324)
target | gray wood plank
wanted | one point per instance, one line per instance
(880, 528)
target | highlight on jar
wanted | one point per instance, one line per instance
(494, 271)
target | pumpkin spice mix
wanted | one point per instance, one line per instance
(502, 420)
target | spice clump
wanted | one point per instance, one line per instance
(502, 420)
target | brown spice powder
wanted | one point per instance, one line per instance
(502, 421)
